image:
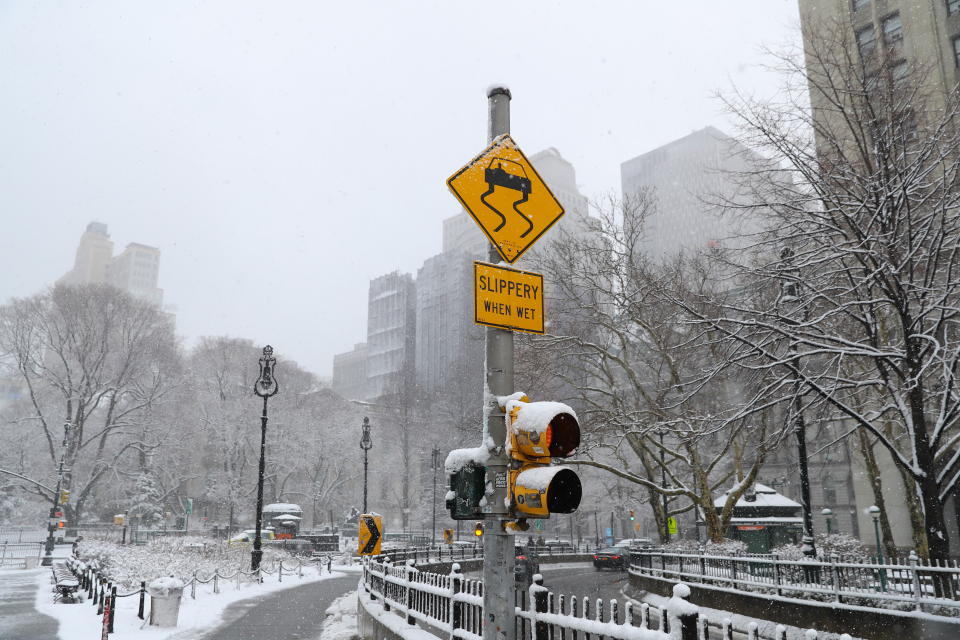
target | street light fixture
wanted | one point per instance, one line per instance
(828, 513)
(434, 463)
(874, 512)
(54, 519)
(366, 443)
(265, 387)
(790, 294)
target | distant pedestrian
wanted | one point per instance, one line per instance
(329, 564)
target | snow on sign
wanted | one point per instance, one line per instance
(507, 298)
(506, 196)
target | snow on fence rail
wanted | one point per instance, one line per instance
(453, 605)
(909, 581)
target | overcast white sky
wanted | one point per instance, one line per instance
(280, 154)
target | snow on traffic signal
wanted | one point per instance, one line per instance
(537, 433)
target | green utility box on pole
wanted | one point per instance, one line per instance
(467, 485)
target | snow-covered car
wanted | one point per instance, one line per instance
(246, 537)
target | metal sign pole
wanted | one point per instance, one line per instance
(498, 556)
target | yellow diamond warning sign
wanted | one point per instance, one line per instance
(506, 196)
(508, 298)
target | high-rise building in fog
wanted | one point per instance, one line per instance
(687, 176)
(391, 334)
(92, 261)
(350, 373)
(135, 270)
(449, 343)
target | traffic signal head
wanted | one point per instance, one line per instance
(478, 529)
(64, 496)
(539, 491)
(632, 515)
(541, 430)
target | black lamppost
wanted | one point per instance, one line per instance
(434, 463)
(265, 386)
(366, 443)
(790, 296)
(54, 519)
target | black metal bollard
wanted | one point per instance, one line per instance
(113, 608)
(143, 592)
(100, 599)
(541, 629)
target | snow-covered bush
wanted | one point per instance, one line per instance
(835, 544)
(127, 565)
(726, 548)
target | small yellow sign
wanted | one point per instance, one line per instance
(370, 535)
(507, 298)
(448, 536)
(506, 196)
(672, 526)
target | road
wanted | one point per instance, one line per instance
(291, 614)
(585, 580)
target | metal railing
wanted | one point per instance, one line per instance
(451, 606)
(899, 583)
(22, 534)
(19, 554)
(446, 553)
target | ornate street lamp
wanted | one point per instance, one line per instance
(790, 297)
(54, 520)
(265, 387)
(366, 443)
(828, 513)
(874, 512)
(434, 464)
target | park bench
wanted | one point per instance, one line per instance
(65, 584)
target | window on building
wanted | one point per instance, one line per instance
(866, 41)
(899, 73)
(892, 30)
(863, 4)
(953, 7)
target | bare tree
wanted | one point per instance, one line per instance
(98, 358)
(652, 387)
(870, 217)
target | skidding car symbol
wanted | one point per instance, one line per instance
(510, 175)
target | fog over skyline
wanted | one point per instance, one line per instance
(280, 155)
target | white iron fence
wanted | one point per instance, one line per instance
(900, 583)
(451, 606)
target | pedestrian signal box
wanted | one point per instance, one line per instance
(466, 491)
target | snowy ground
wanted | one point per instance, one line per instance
(341, 620)
(197, 617)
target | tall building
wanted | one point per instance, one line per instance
(449, 343)
(136, 270)
(93, 257)
(350, 373)
(391, 334)
(686, 175)
(904, 32)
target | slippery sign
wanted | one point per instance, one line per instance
(507, 298)
(370, 535)
(506, 196)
